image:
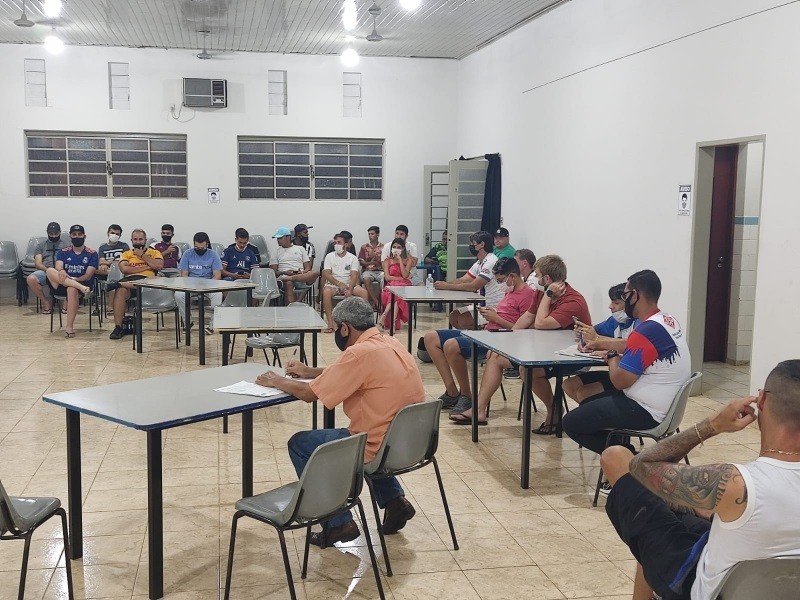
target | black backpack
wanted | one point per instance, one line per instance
(128, 325)
(422, 351)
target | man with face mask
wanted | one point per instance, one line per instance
(646, 376)
(340, 275)
(301, 239)
(200, 261)
(138, 263)
(44, 257)
(608, 335)
(111, 251)
(73, 274)
(373, 379)
(169, 251)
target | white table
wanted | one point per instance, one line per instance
(528, 348)
(415, 294)
(152, 405)
(190, 285)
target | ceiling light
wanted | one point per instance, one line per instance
(349, 15)
(53, 43)
(410, 4)
(349, 38)
(52, 8)
(349, 57)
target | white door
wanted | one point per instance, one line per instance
(465, 212)
(436, 193)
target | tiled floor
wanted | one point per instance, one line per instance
(545, 542)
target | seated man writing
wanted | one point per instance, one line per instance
(373, 379)
(449, 349)
(662, 508)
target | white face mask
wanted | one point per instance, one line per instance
(620, 316)
(396, 252)
(338, 248)
(113, 238)
(539, 286)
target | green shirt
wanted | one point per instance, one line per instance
(507, 252)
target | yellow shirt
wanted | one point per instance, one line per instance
(129, 257)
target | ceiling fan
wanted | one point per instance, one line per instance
(375, 11)
(24, 21)
(204, 54)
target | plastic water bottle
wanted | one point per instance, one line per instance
(429, 283)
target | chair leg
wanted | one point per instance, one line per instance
(230, 556)
(503, 391)
(307, 545)
(67, 558)
(233, 345)
(177, 331)
(444, 503)
(379, 527)
(286, 565)
(24, 571)
(686, 458)
(266, 358)
(371, 549)
(276, 358)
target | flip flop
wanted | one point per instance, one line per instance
(69, 334)
(460, 419)
(545, 429)
(63, 311)
(48, 311)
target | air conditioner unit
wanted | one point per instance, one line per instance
(205, 93)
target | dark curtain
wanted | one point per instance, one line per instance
(490, 220)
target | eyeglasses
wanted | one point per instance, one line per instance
(626, 295)
(501, 278)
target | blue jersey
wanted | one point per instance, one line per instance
(200, 266)
(236, 261)
(76, 265)
(614, 329)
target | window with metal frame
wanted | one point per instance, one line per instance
(310, 169)
(106, 165)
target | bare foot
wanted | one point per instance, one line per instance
(85, 290)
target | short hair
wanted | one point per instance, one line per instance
(485, 237)
(374, 228)
(527, 255)
(114, 227)
(400, 242)
(356, 312)
(783, 383)
(138, 230)
(505, 266)
(242, 233)
(402, 228)
(346, 235)
(167, 227)
(339, 235)
(615, 292)
(551, 266)
(202, 236)
(646, 283)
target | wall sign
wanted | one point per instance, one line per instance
(684, 200)
(213, 195)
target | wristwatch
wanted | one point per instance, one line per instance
(611, 354)
(548, 293)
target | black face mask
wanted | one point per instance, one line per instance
(473, 250)
(138, 246)
(629, 306)
(302, 239)
(54, 239)
(78, 241)
(166, 239)
(341, 340)
(200, 251)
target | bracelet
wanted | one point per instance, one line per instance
(700, 437)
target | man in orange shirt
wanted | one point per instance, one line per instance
(374, 378)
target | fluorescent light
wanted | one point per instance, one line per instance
(349, 57)
(349, 15)
(53, 44)
(410, 4)
(349, 38)
(52, 8)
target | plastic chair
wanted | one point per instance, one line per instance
(276, 341)
(9, 260)
(409, 444)
(263, 250)
(774, 578)
(94, 309)
(20, 517)
(218, 248)
(266, 285)
(329, 485)
(158, 302)
(184, 246)
(28, 263)
(666, 428)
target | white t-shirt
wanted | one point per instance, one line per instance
(411, 250)
(493, 291)
(531, 281)
(341, 266)
(290, 259)
(769, 526)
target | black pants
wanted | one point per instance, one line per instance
(586, 423)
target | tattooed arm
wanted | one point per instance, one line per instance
(717, 487)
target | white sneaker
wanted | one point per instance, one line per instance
(605, 488)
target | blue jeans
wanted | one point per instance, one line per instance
(302, 445)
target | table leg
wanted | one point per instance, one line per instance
(187, 299)
(474, 392)
(526, 429)
(558, 402)
(475, 315)
(314, 364)
(201, 329)
(391, 315)
(247, 453)
(75, 498)
(411, 306)
(155, 515)
(249, 293)
(226, 341)
(138, 326)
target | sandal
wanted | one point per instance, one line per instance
(69, 334)
(63, 310)
(460, 419)
(545, 429)
(47, 311)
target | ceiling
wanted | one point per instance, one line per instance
(438, 29)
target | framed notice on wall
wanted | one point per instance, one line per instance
(684, 200)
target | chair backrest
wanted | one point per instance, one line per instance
(8, 256)
(266, 282)
(263, 250)
(412, 437)
(235, 298)
(218, 248)
(676, 411)
(156, 300)
(30, 252)
(772, 578)
(150, 241)
(10, 520)
(332, 478)
(114, 274)
(184, 246)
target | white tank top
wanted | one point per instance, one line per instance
(769, 527)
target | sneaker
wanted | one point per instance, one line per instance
(209, 329)
(396, 514)
(605, 488)
(512, 373)
(464, 403)
(448, 401)
(116, 334)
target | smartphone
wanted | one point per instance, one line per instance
(499, 330)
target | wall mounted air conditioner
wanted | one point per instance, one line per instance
(205, 93)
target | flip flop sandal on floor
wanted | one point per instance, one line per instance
(460, 419)
(545, 429)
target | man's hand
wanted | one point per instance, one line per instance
(558, 288)
(489, 314)
(735, 416)
(268, 379)
(297, 369)
(139, 252)
(440, 285)
(589, 334)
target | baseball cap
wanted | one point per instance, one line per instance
(53, 227)
(282, 231)
(77, 229)
(302, 226)
(502, 232)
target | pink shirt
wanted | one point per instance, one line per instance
(513, 304)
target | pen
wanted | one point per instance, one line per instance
(291, 360)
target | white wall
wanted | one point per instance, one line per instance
(409, 102)
(592, 162)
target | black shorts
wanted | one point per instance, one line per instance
(667, 544)
(597, 377)
(61, 291)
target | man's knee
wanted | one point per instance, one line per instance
(432, 341)
(615, 462)
(451, 348)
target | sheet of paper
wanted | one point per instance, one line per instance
(572, 351)
(248, 388)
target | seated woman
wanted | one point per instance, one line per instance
(608, 335)
(396, 272)
(449, 350)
